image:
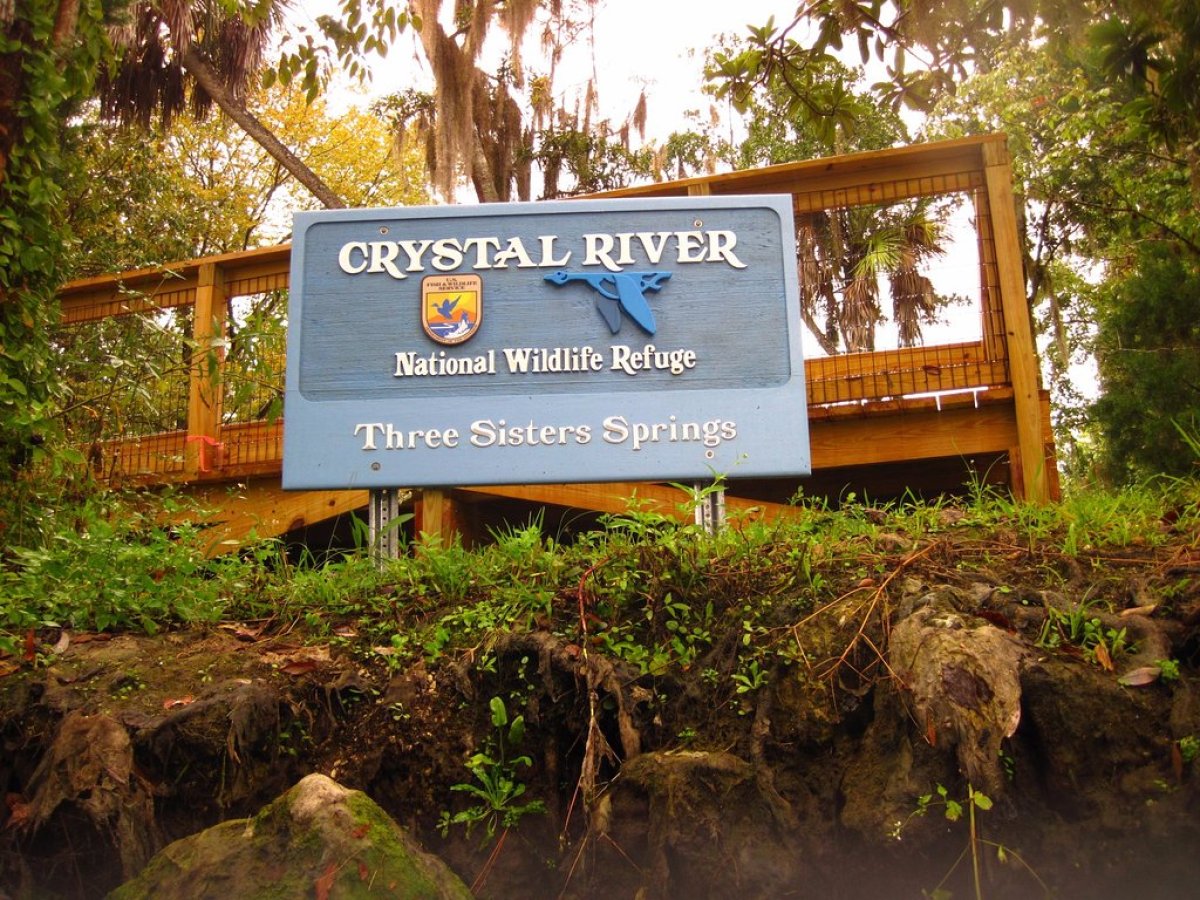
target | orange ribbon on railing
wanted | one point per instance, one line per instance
(206, 442)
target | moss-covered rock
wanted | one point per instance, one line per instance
(319, 838)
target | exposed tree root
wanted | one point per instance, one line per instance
(90, 766)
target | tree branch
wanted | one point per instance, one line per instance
(199, 68)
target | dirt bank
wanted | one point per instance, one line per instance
(1052, 700)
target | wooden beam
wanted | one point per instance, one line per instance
(232, 513)
(912, 436)
(619, 497)
(204, 378)
(869, 169)
(1022, 354)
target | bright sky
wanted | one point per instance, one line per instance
(660, 45)
(653, 44)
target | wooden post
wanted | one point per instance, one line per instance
(204, 379)
(437, 512)
(1022, 354)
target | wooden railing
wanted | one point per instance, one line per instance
(212, 421)
(213, 444)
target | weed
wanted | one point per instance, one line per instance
(1168, 669)
(1008, 765)
(749, 678)
(974, 803)
(293, 738)
(1189, 748)
(1080, 628)
(495, 788)
(127, 685)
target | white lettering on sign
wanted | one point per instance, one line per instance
(626, 359)
(399, 259)
(690, 247)
(545, 361)
(489, 433)
(619, 430)
(433, 438)
(537, 360)
(410, 364)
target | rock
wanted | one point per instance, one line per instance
(319, 839)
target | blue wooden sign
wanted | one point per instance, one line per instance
(598, 340)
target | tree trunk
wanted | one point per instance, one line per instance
(198, 67)
(481, 175)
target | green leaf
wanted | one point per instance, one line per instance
(516, 732)
(499, 713)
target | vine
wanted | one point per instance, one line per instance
(49, 54)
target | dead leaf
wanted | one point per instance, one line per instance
(30, 647)
(345, 631)
(1144, 610)
(8, 666)
(18, 810)
(996, 618)
(63, 642)
(177, 703)
(324, 884)
(1013, 723)
(1140, 677)
(867, 582)
(298, 667)
(1104, 658)
(89, 638)
(282, 656)
(363, 872)
(242, 633)
(951, 516)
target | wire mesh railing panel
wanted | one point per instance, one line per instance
(889, 374)
(118, 301)
(890, 190)
(255, 358)
(892, 299)
(126, 377)
(252, 447)
(995, 334)
(150, 458)
(257, 284)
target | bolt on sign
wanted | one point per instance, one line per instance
(600, 340)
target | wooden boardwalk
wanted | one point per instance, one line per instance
(205, 411)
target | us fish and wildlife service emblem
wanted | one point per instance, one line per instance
(451, 307)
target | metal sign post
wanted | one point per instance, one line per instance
(382, 528)
(710, 507)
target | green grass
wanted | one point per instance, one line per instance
(643, 588)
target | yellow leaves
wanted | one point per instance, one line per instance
(351, 150)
